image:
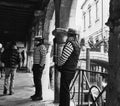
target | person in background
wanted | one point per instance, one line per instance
(67, 65)
(39, 58)
(11, 59)
(23, 57)
(20, 63)
(1, 63)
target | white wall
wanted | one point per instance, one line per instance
(96, 25)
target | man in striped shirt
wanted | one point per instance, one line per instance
(67, 65)
(39, 58)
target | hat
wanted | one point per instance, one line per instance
(72, 31)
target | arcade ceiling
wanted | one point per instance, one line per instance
(16, 17)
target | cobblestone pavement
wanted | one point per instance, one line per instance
(23, 90)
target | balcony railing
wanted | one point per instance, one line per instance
(95, 55)
(94, 93)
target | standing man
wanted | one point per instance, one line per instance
(39, 58)
(23, 57)
(67, 65)
(11, 59)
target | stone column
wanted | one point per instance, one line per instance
(62, 11)
(60, 40)
(113, 90)
(88, 61)
(102, 48)
(37, 30)
(39, 22)
(45, 76)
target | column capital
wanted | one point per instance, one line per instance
(60, 35)
(59, 31)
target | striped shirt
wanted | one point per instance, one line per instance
(68, 49)
(39, 55)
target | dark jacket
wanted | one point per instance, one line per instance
(11, 57)
(71, 63)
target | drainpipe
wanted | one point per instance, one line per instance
(102, 45)
(102, 17)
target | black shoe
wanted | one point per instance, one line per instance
(5, 92)
(1, 76)
(33, 96)
(37, 98)
(11, 93)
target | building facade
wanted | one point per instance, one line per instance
(94, 16)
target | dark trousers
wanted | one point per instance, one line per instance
(1, 71)
(66, 78)
(37, 75)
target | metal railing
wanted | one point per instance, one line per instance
(81, 75)
(95, 55)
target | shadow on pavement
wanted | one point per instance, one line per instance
(1, 95)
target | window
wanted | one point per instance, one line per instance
(96, 6)
(84, 19)
(89, 10)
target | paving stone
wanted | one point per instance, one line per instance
(24, 88)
